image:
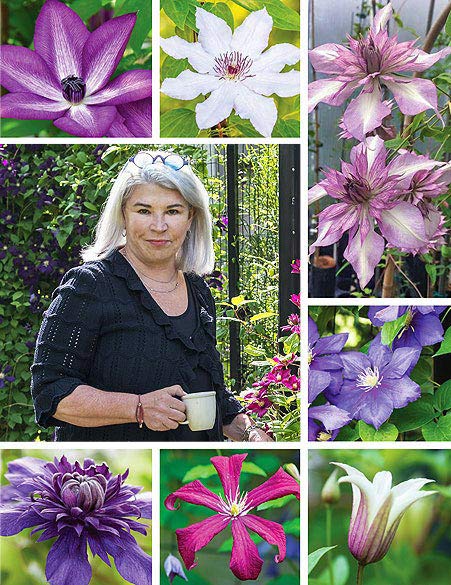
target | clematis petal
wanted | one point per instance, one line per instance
(130, 86)
(429, 330)
(229, 469)
(118, 129)
(194, 493)
(195, 537)
(405, 494)
(24, 70)
(353, 363)
(400, 391)
(251, 37)
(59, 38)
(317, 383)
(330, 91)
(188, 85)
(215, 35)
(365, 112)
(330, 416)
(67, 561)
(403, 226)
(364, 256)
(381, 18)
(425, 60)
(375, 407)
(278, 485)
(331, 343)
(282, 84)
(402, 360)
(316, 192)
(217, 106)
(412, 95)
(261, 111)
(28, 106)
(88, 121)
(275, 58)
(180, 49)
(15, 519)
(132, 563)
(330, 58)
(138, 117)
(97, 548)
(104, 49)
(245, 562)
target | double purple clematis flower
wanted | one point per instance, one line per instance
(376, 383)
(422, 326)
(371, 192)
(67, 77)
(233, 509)
(369, 65)
(79, 505)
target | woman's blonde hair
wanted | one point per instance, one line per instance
(196, 254)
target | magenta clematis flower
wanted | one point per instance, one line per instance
(234, 508)
(66, 77)
(369, 64)
(80, 505)
(370, 191)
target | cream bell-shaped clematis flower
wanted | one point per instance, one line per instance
(377, 509)
(234, 70)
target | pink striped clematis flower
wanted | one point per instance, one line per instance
(368, 65)
(67, 77)
(234, 508)
(397, 197)
(377, 510)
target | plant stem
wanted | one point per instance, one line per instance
(329, 541)
(360, 574)
(389, 275)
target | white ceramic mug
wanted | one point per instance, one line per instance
(200, 410)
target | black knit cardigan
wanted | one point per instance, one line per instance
(104, 329)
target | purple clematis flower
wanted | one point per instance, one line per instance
(66, 77)
(331, 420)
(245, 562)
(368, 65)
(133, 120)
(5, 376)
(324, 362)
(376, 383)
(80, 505)
(422, 326)
(369, 191)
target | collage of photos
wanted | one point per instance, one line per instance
(186, 190)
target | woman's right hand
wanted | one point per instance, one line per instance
(163, 409)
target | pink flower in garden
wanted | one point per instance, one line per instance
(370, 193)
(369, 65)
(67, 76)
(258, 402)
(296, 300)
(296, 267)
(293, 324)
(233, 509)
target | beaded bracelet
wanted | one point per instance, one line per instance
(139, 415)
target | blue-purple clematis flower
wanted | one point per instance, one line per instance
(377, 383)
(324, 361)
(67, 77)
(372, 193)
(79, 505)
(422, 326)
(325, 421)
(370, 65)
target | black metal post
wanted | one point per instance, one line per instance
(233, 252)
(441, 362)
(289, 226)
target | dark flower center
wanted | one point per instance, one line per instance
(233, 65)
(372, 56)
(74, 88)
(358, 191)
(83, 491)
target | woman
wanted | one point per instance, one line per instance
(132, 330)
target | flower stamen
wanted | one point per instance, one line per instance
(369, 379)
(74, 89)
(233, 66)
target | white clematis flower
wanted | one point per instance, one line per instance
(233, 69)
(377, 509)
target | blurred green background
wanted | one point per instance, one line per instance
(182, 466)
(22, 561)
(420, 551)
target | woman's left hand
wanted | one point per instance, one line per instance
(236, 430)
(259, 436)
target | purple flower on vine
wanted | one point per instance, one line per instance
(325, 421)
(5, 376)
(80, 505)
(370, 65)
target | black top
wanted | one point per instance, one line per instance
(104, 329)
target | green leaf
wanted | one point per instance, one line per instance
(143, 21)
(340, 570)
(259, 316)
(284, 17)
(249, 467)
(431, 269)
(445, 346)
(387, 432)
(90, 206)
(86, 8)
(244, 127)
(222, 11)
(448, 25)
(391, 329)
(442, 398)
(173, 67)
(176, 10)
(422, 372)
(178, 123)
(292, 526)
(279, 503)
(316, 556)
(82, 157)
(438, 431)
(286, 129)
(413, 416)
(226, 546)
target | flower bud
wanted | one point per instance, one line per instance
(331, 490)
(293, 471)
(173, 567)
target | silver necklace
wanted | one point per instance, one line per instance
(160, 281)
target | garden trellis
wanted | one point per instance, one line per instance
(51, 196)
